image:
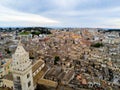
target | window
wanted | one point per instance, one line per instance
(28, 75)
(29, 83)
(18, 78)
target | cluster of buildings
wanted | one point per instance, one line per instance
(64, 58)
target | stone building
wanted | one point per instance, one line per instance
(22, 69)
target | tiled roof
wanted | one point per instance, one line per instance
(47, 82)
(39, 75)
(37, 65)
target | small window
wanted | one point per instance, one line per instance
(28, 75)
(29, 83)
(18, 78)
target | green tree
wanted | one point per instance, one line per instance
(97, 45)
(56, 59)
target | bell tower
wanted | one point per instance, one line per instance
(22, 69)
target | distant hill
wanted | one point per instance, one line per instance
(109, 30)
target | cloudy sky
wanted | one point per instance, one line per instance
(60, 13)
